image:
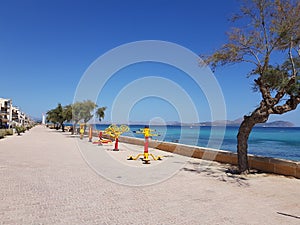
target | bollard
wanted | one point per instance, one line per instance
(90, 133)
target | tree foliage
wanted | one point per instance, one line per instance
(67, 112)
(83, 110)
(270, 33)
(100, 113)
(56, 116)
(74, 112)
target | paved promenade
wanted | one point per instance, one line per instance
(44, 179)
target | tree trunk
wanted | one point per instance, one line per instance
(243, 136)
(242, 144)
(74, 128)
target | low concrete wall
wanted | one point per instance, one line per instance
(265, 164)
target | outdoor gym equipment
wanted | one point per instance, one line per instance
(81, 130)
(115, 131)
(102, 140)
(147, 133)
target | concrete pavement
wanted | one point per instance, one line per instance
(45, 179)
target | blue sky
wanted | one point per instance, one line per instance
(46, 46)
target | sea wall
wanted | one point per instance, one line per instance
(265, 164)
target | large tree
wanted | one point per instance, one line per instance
(269, 39)
(67, 115)
(58, 116)
(51, 117)
(82, 111)
(67, 112)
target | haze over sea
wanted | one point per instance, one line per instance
(276, 142)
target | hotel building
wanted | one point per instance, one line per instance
(11, 115)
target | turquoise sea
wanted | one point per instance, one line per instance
(264, 141)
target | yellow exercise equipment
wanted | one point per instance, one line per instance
(147, 133)
(115, 131)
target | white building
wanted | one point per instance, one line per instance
(11, 115)
(5, 112)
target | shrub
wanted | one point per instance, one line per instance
(18, 130)
(2, 133)
(28, 127)
(9, 132)
(23, 129)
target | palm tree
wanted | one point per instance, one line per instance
(100, 113)
(52, 117)
(59, 115)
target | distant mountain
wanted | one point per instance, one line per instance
(238, 122)
(232, 123)
(276, 124)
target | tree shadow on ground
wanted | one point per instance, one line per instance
(70, 135)
(73, 136)
(222, 172)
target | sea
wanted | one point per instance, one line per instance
(275, 142)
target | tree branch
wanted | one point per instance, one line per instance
(256, 57)
(265, 91)
(282, 92)
(266, 38)
(289, 105)
(291, 57)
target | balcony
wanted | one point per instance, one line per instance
(4, 120)
(4, 113)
